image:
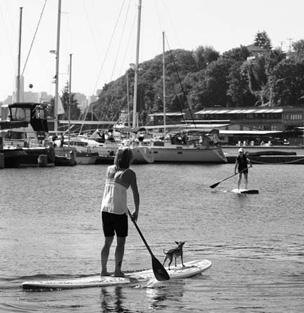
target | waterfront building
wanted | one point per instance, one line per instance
(258, 124)
(252, 125)
(258, 118)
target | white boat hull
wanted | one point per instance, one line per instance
(83, 158)
(142, 154)
(188, 154)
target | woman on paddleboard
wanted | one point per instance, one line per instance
(241, 166)
(114, 211)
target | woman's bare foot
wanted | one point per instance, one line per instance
(105, 274)
(119, 274)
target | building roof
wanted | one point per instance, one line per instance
(255, 49)
(238, 111)
(168, 114)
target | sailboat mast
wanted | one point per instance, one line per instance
(70, 96)
(136, 64)
(57, 68)
(18, 87)
(164, 84)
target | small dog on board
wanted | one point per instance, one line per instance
(176, 252)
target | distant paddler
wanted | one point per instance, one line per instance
(242, 163)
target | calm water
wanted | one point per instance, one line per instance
(50, 227)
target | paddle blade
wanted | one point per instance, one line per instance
(159, 271)
(214, 185)
(251, 192)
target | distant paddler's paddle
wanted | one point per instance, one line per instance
(216, 184)
(159, 271)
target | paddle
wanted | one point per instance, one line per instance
(159, 271)
(214, 185)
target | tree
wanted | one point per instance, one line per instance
(257, 78)
(237, 54)
(215, 83)
(262, 40)
(65, 99)
(298, 47)
(238, 87)
(287, 83)
(204, 56)
(50, 108)
(272, 58)
(298, 51)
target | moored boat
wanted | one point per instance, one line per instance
(142, 154)
(24, 136)
(17, 157)
(188, 146)
(86, 158)
(65, 156)
(79, 147)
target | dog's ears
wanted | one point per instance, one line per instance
(177, 242)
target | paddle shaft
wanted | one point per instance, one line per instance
(158, 269)
(141, 235)
(214, 185)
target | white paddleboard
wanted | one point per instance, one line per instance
(190, 269)
(245, 191)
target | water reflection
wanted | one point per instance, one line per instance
(168, 291)
(112, 301)
(122, 299)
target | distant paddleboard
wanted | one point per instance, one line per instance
(245, 191)
(143, 277)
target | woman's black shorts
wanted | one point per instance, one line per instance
(115, 224)
(243, 169)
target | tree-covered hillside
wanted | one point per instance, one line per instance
(246, 76)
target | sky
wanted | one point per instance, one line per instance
(101, 35)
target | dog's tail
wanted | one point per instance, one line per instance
(164, 251)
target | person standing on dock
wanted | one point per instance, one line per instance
(242, 163)
(114, 211)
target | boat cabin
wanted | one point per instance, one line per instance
(22, 114)
(23, 123)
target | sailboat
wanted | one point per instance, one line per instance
(84, 155)
(186, 145)
(68, 152)
(64, 156)
(142, 154)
